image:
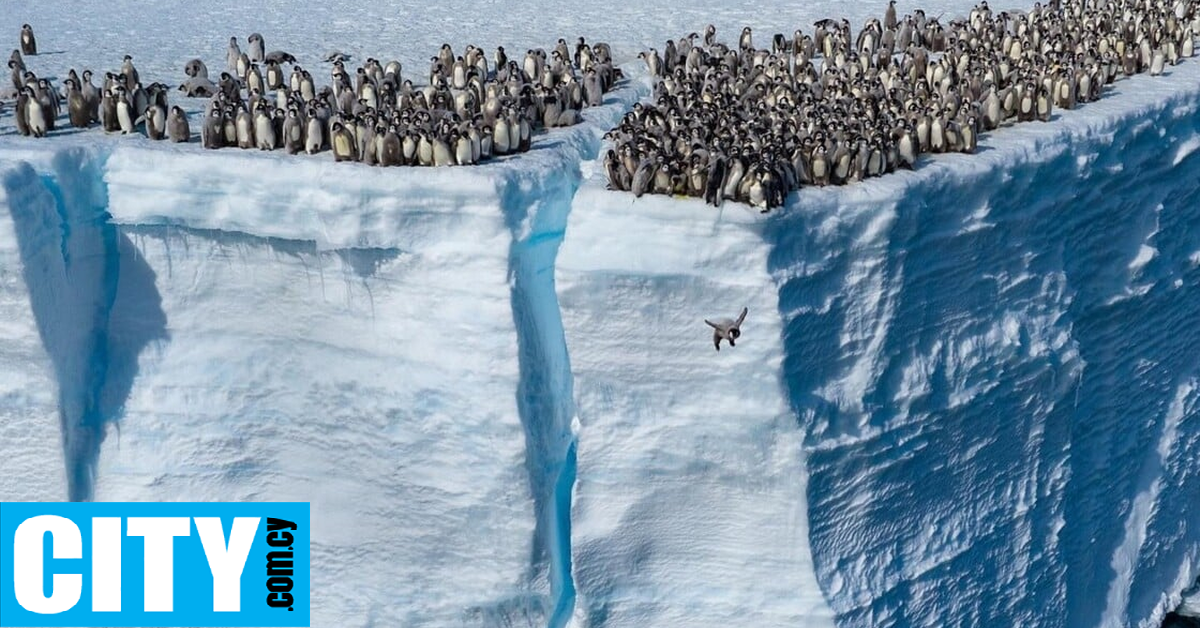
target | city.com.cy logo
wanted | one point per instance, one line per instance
(154, 564)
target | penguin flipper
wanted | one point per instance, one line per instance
(741, 317)
(711, 324)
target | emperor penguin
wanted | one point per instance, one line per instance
(274, 75)
(1157, 62)
(243, 66)
(969, 134)
(293, 133)
(195, 69)
(746, 41)
(464, 154)
(232, 54)
(77, 107)
(314, 136)
(342, 142)
(366, 149)
(525, 134)
(108, 112)
(820, 166)
(644, 176)
(280, 57)
(50, 102)
(264, 130)
(32, 112)
(258, 51)
(22, 113)
(500, 137)
(229, 131)
(177, 126)
(244, 129)
(17, 74)
(130, 72)
(906, 150)
(199, 87)
(28, 41)
(725, 329)
(391, 152)
(155, 122)
(1045, 104)
(712, 184)
(443, 154)
(125, 116)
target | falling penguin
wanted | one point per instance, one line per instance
(727, 329)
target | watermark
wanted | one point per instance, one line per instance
(154, 564)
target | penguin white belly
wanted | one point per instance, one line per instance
(906, 150)
(244, 132)
(937, 136)
(820, 168)
(463, 155)
(342, 144)
(312, 143)
(500, 136)
(265, 132)
(441, 154)
(1157, 63)
(124, 117)
(514, 136)
(425, 152)
(408, 149)
(758, 196)
(36, 118)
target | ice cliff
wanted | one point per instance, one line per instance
(965, 396)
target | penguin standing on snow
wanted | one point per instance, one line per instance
(727, 329)
(28, 41)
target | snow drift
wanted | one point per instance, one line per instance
(966, 395)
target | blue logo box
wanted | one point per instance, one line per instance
(154, 564)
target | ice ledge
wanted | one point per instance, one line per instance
(311, 198)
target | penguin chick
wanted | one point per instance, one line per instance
(28, 41)
(177, 126)
(727, 329)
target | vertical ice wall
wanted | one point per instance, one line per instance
(327, 360)
(995, 364)
(385, 345)
(689, 507)
(29, 418)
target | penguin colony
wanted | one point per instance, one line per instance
(828, 107)
(463, 115)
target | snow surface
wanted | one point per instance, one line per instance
(966, 395)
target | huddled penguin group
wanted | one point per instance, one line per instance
(831, 106)
(120, 104)
(734, 122)
(467, 110)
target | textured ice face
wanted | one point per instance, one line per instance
(381, 346)
(936, 376)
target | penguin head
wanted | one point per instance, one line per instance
(735, 333)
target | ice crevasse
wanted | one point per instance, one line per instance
(965, 395)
